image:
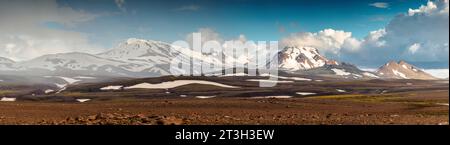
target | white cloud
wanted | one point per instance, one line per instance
(413, 48)
(382, 5)
(24, 35)
(327, 41)
(419, 35)
(188, 8)
(207, 34)
(424, 9)
(121, 5)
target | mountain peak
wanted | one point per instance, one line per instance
(135, 40)
(402, 70)
(302, 58)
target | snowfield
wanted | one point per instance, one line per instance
(273, 97)
(340, 72)
(370, 75)
(173, 84)
(268, 81)
(305, 93)
(5, 99)
(204, 97)
(48, 91)
(111, 88)
(83, 100)
(339, 90)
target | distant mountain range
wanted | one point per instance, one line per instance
(138, 58)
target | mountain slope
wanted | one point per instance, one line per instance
(76, 63)
(6, 64)
(402, 70)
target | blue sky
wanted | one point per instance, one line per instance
(170, 20)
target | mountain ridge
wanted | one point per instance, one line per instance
(149, 58)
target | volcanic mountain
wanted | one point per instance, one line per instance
(302, 58)
(402, 70)
(308, 61)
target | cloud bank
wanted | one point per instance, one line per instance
(418, 35)
(25, 31)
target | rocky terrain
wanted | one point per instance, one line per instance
(232, 100)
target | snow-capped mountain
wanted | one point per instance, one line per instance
(402, 70)
(132, 58)
(147, 58)
(76, 63)
(156, 56)
(302, 58)
(308, 61)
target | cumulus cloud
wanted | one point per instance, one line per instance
(327, 41)
(24, 33)
(413, 48)
(419, 35)
(382, 5)
(207, 34)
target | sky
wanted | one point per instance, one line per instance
(367, 33)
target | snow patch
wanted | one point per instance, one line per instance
(340, 72)
(370, 75)
(204, 97)
(60, 85)
(84, 77)
(234, 74)
(69, 80)
(339, 90)
(5, 99)
(443, 104)
(404, 66)
(173, 84)
(397, 73)
(305, 93)
(273, 97)
(268, 81)
(111, 88)
(83, 100)
(48, 91)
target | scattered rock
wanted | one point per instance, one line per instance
(394, 115)
(169, 121)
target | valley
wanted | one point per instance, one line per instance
(232, 100)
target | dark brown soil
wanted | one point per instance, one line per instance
(420, 107)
